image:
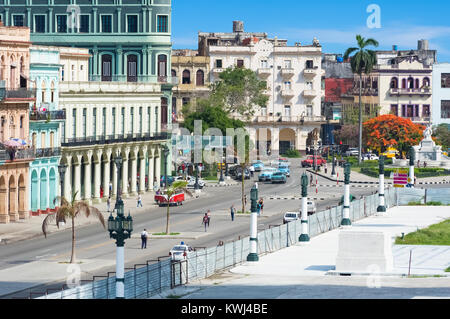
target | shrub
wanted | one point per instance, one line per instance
(292, 154)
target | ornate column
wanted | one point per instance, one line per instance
(157, 164)
(115, 181)
(97, 180)
(95, 57)
(87, 179)
(151, 169)
(67, 179)
(13, 212)
(50, 20)
(77, 178)
(119, 61)
(106, 178)
(134, 172)
(142, 174)
(125, 175)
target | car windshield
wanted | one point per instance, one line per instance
(292, 215)
(179, 248)
(278, 174)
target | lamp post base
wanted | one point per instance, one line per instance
(381, 209)
(252, 257)
(304, 238)
(346, 222)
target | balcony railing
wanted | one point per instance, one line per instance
(418, 91)
(17, 93)
(48, 115)
(135, 79)
(20, 154)
(118, 138)
(48, 152)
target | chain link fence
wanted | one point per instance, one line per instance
(147, 280)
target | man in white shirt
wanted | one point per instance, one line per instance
(144, 236)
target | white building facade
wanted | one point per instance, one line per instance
(441, 94)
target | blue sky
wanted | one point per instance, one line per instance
(334, 23)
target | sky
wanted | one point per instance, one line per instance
(334, 23)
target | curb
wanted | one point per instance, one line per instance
(298, 198)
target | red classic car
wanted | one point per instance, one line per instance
(176, 199)
(309, 161)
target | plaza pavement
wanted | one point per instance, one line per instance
(307, 271)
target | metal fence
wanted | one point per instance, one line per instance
(144, 281)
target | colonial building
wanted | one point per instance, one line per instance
(193, 73)
(293, 75)
(441, 94)
(45, 121)
(15, 99)
(401, 83)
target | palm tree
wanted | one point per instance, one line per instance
(362, 62)
(71, 210)
(176, 187)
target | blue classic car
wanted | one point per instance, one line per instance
(284, 169)
(266, 174)
(258, 165)
(278, 177)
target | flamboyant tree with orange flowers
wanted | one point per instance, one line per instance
(392, 131)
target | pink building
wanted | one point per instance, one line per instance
(15, 99)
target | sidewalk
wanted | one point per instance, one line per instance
(307, 271)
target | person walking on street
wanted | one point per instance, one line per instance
(205, 220)
(233, 211)
(245, 200)
(139, 200)
(261, 204)
(209, 216)
(311, 179)
(144, 236)
(326, 168)
(108, 203)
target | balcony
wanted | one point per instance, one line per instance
(48, 152)
(118, 138)
(264, 72)
(418, 119)
(17, 93)
(267, 92)
(287, 73)
(287, 94)
(10, 155)
(217, 71)
(48, 115)
(135, 79)
(310, 72)
(419, 91)
(309, 93)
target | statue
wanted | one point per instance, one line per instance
(427, 133)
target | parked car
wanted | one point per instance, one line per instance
(162, 199)
(232, 170)
(390, 153)
(309, 161)
(279, 161)
(290, 217)
(278, 177)
(266, 174)
(180, 252)
(238, 175)
(170, 180)
(284, 169)
(258, 165)
(191, 182)
(353, 151)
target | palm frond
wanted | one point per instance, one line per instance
(371, 42)
(47, 221)
(348, 52)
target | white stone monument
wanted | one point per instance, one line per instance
(361, 252)
(427, 150)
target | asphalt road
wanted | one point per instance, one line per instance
(94, 242)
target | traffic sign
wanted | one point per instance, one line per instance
(400, 178)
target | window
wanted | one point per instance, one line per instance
(309, 85)
(445, 80)
(394, 109)
(74, 123)
(287, 85)
(106, 67)
(218, 64)
(84, 23)
(18, 20)
(200, 78)
(94, 121)
(84, 123)
(445, 109)
(62, 73)
(309, 64)
(163, 24)
(43, 144)
(309, 110)
(394, 83)
(264, 64)
(132, 23)
(263, 111)
(132, 68)
(131, 128)
(39, 23)
(287, 110)
(186, 77)
(106, 23)
(162, 67)
(426, 83)
(63, 130)
(61, 23)
(240, 63)
(186, 101)
(114, 121)
(104, 121)
(122, 122)
(287, 64)
(426, 111)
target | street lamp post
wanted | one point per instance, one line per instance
(333, 172)
(196, 185)
(62, 172)
(253, 255)
(166, 154)
(304, 237)
(346, 212)
(412, 159)
(381, 208)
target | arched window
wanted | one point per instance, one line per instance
(417, 83)
(426, 82)
(162, 68)
(200, 78)
(52, 92)
(132, 70)
(394, 83)
(410, 83)
(43, 89)
(404, 84)
(174, 73)
(186, 77)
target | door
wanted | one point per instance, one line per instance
(132, 68)
(106, 67)
(164, 112)
(162, 68)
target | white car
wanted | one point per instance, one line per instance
(191, 182)
(311, 207)
(290, 217)
(352, 152)
(180, 252)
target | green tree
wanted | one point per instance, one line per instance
(71, 210)
(175, 188)
(363, 61)
(442, 135)
(240, 91)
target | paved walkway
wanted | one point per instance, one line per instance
(307, 271)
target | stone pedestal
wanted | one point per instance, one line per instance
(360, 252)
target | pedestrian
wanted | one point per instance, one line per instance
(261, 202)
(252, 170)
(233, 211)
(415, 180)
(205, 220)
(258, 208)
(311, 179)
(144, 236)
(108, 203)
(326, 169)
(424, 164)
(209, 216)
(139, 200)
(418, 163)
(110, 187)
(245, 200)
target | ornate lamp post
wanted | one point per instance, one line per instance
(381, 208)
(253, 255)
(196, 185)
(333, 171)
(346, 212)
(221, 179)
(304, 237)
(412, 159)
(166, 154)
(120, 228)
(62, 172)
